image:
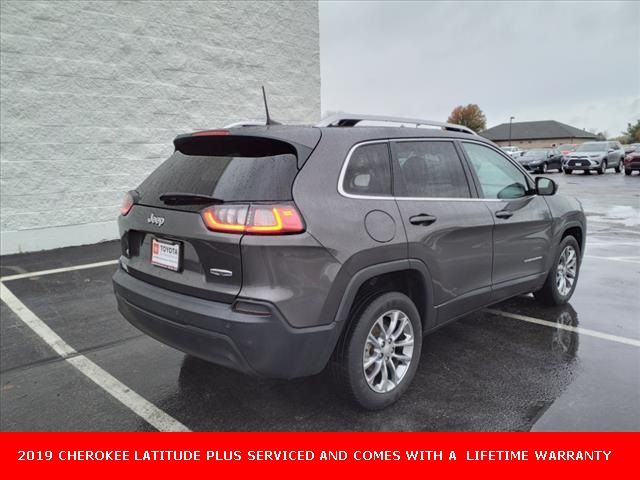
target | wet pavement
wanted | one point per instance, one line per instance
(578, 369)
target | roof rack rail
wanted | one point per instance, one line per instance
(352, 119)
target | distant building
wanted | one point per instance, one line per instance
(544, 133)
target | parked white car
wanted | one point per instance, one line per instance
(514, 152)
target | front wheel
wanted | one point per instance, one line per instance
(376, 360)
(563, 277)
(603, 167)
(568, 171)
(544, 167)
(627, 171)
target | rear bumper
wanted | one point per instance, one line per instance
(263, 345)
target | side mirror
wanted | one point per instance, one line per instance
(546, 186)
(611, 150)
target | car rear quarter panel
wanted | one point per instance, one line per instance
(338, 222)
(294, 272)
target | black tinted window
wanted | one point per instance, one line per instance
(229, 178)
(429, 169)
(369, 171)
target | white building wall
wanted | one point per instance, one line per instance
(93, 93)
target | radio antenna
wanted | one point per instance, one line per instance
(266, 109)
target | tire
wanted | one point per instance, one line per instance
(543, 168)
(567, 171)
(627, 171)
(603, 167)
(354, 349)
(620, 167)
(550, 293)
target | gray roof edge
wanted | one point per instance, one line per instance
(535, 130)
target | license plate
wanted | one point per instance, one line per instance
(165, 254)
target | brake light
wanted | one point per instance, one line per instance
(274, 219)
(226, 218)
(207, 133)
(127, 203)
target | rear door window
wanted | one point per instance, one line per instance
(230, 174)
(429, 169)
(368, 171)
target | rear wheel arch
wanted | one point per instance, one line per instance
(409, 277)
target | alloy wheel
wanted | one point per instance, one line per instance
(388, 351)
(566, 270)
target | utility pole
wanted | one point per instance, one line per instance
(510, 120)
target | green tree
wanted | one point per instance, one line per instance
(470, 116)
(633, 132)
(623, 139)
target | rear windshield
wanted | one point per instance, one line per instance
(231, 176)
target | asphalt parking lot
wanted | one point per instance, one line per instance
(515, 366)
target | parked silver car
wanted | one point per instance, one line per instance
(598, 156)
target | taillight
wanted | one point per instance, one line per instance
(274, 219)
(226, 218)
(127, 203)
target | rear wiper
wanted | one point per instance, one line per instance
(178, 198)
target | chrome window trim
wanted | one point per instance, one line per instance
(345, 164)
(343, 172)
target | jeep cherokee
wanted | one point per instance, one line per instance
(280, 250)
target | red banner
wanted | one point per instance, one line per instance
(317, 454)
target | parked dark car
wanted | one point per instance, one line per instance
(279, 250)
(632, 162)
(598, 156)
(541, 159)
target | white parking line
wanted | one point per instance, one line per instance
(114, 387)
(616, 259)
(612, 244)
(582, 331)
(18, 276)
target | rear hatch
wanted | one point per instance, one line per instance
(190, 258)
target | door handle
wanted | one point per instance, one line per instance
(504, 214)
(422, 219)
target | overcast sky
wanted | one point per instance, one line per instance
(575, 62)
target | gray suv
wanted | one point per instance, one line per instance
(598, 156)
(281, 250)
